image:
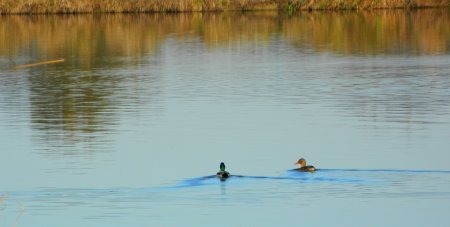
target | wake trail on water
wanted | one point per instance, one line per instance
(321, 175)
(330, 176)
(385, 170)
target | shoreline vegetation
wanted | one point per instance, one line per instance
(148, 6)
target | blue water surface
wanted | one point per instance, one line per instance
(130, 129)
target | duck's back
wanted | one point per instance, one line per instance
(307, 169)
(223, 174)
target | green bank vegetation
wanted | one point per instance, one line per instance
(133, 6)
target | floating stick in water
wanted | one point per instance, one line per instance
(38, 63)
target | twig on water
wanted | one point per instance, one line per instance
(38, 63)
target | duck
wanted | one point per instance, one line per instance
(222, 174)
(303, 166)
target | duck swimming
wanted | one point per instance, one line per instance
(303, 166)
(222, 174)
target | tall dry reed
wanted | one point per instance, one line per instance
(116, 6)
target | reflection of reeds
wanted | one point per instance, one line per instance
(90, 6)
(87, 36)
(363, 4)
(372, 32)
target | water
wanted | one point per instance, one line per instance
(130, 129)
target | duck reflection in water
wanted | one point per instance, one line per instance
(222, 174)
(303, 166)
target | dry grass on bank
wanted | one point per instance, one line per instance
(116, 6)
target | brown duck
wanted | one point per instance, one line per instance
(303, 166)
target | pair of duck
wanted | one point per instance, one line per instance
(222, 174)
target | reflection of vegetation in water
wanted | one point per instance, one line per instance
(380, 32)
(80, 96)
(81, 39)
(70, 103)
(78, 100)
(295, 5)
(82, 106)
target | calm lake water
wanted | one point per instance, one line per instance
(129, 129)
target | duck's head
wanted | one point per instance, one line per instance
(301, 162)
(222, 166)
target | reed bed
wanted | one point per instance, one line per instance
(135, 6)
(128, 6)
